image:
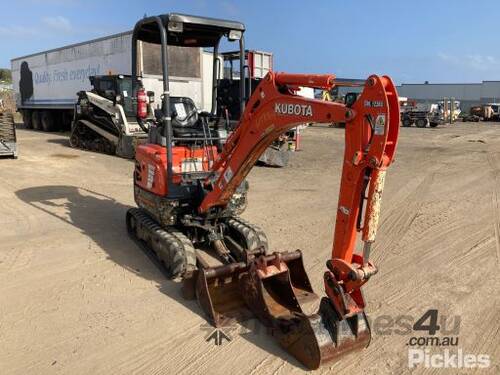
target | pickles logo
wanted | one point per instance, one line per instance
(293, 109)
(438, 346)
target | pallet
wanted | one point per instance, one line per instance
(8, 140)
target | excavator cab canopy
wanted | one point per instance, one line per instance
(180, 30)
(188, 31)
(183, 30)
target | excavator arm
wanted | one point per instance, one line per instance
(371, 132)
(276, 287)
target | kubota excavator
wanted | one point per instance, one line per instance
(187, 195)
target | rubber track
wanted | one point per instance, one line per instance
(174, 250)
(253, 234)
(97, 144)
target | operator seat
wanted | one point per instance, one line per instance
(186, 121)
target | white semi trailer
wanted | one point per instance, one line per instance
(46, 83)
(87, 87)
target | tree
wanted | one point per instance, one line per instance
(5, 75)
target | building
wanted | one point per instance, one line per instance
(468, 94)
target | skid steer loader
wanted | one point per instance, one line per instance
(187, 189)
(104, 118)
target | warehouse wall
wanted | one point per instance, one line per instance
(468, 94)
(490, 92)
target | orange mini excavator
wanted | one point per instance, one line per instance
(189, 193)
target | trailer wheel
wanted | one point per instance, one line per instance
(66, 120)
(421, 122)
(48, 123)
(28, 119)
(36, 120)
(407, 122)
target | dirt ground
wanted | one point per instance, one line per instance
(77, 296)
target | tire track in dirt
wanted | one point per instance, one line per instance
(495, 202)
(400, 218)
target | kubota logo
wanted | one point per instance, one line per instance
(293, 109)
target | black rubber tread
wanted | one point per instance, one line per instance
(171, 247)
(253, 235)
(47, 121)
(7, 127)
(27, 119)
(86, 139)
(36, 120)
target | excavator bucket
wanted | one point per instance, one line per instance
(218, 293)
(276, 286)
(321, 337)
(228, 292)
(276, 289)
(280, 294)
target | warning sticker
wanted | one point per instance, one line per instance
(380, 125)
